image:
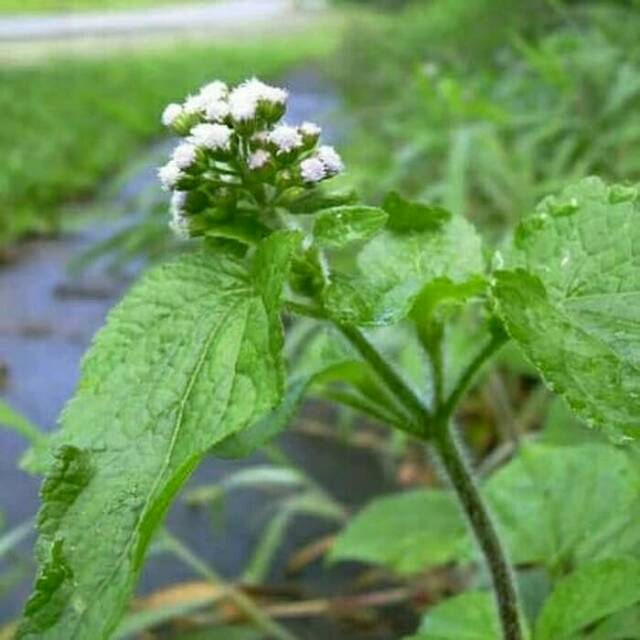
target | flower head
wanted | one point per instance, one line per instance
(195, 104)
(312, 170)
(331, 160)
(214, 91)
(170, 174)
(217, 110)
(259, 159)
(171, 114)
(310, 129)
(214, 137)
(185, 155)
(285, 138)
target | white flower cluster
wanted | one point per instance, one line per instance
(237, 149)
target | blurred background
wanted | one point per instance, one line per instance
(482, 105)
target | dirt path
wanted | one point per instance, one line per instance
(217, 16)
(28, 38)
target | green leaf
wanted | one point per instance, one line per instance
(563, 507)
(469, 616)
(570, 298)
(337, 227)
(622, 625)
(588, 595)
(397, 266)
(407, 533)
(308, 201)
(245, 442)
(405, 215)
(190, 356)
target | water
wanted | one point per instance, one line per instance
(47, 322)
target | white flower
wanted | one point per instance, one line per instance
(312, 170)
(178, 202)
(331, 160)
(285, 138)
(260, 137)
(171, 114)
(179, 224)
(268, 93)
(243, 103)
(245, 98)
(169, 175)
(184, 155)
(310, 129)
(214, 91)
(195, 104)
(216, 110)
(212, 136)
(258, 159)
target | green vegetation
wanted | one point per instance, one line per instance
(68, 124)
(471, 321)
(490, 121)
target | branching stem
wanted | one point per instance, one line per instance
(437, 430)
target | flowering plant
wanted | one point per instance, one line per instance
(239, 163)
(192, 362)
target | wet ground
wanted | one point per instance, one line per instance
(47, 319)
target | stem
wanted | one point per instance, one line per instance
(244, 603)
(483, 529)
(464, 382)
(390, 377)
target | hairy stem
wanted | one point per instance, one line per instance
(483, 528)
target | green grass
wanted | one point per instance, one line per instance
(35, 6)
(68, 125)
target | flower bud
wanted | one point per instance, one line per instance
(312, 170)
(310, 134)
(285, 140)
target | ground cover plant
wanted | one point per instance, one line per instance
(492, 122)
(75, 130)
(378, 300)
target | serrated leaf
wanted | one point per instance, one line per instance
(562, 507)
(339, 226)
(190, 356)
(469, 616)
(570, 297)
(397, 266)
(407, 533)
(588, 595)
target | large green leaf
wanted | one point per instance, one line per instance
(565, 506)
(189, 357)
(469, 616)
(570, 297)
(407, 533)
(588, 595)
(401, 262)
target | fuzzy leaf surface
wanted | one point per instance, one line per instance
(190, 356)
(570, 297)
